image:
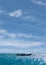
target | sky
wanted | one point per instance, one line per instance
(22, 26)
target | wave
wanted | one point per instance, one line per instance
(12, 59)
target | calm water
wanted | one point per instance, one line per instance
(12, 59)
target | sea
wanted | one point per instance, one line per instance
(13, 59)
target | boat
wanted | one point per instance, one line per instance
(23, 54)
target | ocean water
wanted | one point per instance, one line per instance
(12, 59)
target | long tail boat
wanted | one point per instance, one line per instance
(23, 54)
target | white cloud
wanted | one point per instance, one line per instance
(32, 18)
(39, 2)
(23, 15)
(20, 44)
(24, 35)
(4, 33)
(15, 46)
(11, 35)
(1, 37)
(16, 13)
(1, 11)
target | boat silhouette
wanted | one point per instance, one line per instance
(23, 54)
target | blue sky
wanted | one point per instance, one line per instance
(22, 26)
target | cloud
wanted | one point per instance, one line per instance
(17, 46)
(22, 51)
(2, 31)
(1, 37)
(24, 35)
(16, 13)
(32, 18)
(23, 15)
(11, 35)
(39, 2)
(5, 33)
(20, 44)
(2, 12)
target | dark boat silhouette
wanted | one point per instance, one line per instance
(23, 54)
